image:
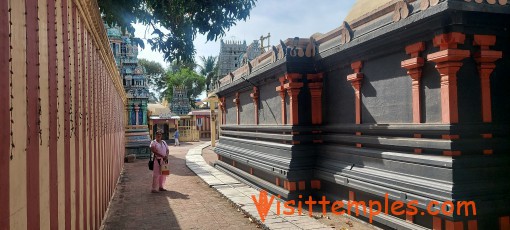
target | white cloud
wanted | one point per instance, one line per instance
(283, 19)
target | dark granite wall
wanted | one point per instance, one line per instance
(386, 90)
(270, 104)
(247, 108)
(430, 89)
(500, 80)
(230, 107)
(305, 106)
(468, 87)
(338, 97)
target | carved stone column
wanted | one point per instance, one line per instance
(238, 112)
(255, 97)
(223, 110)
(485, 60)
(355, 80)
(315, 86)
(144, 113)
(129, 109)
(282, 91)
(448, 62)
(414, 69)
(137, 109)
(293, 88)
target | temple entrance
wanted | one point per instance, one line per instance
(167, 133)
(187, 129)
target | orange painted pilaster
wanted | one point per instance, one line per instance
(255, 97)
(293, 88)
(453, 225)
(417, 150)
(472, 225)
(302, 185)
(504, 223)
(282, 91)
(291, 186)
(238, 112)
(352, 195)
(316, 184)
(315, 86)
(222, 107)
(485, 60)
(437, 223)
(355, 80)
(448, 62)
(414, 69)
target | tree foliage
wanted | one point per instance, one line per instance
(177, 66)
(185, 77)
(208, 69)
(180, 21)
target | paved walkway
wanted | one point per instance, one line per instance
(241, 194)
(189, 203)
(200, 198)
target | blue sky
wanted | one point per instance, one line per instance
(282, 18)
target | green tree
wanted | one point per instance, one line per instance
(176, 66)
(155, 77)
(176, 22)
(207, 69)
(185, 77)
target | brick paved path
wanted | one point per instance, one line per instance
(189, 203)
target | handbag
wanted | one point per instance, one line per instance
(151, 162)
(165, 168)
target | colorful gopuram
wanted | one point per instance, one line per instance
(134, 80)
(180, 102)
(406, 102)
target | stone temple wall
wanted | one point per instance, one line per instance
(407, 102)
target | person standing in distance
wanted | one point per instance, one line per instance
(160, 150)
(176, 137)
